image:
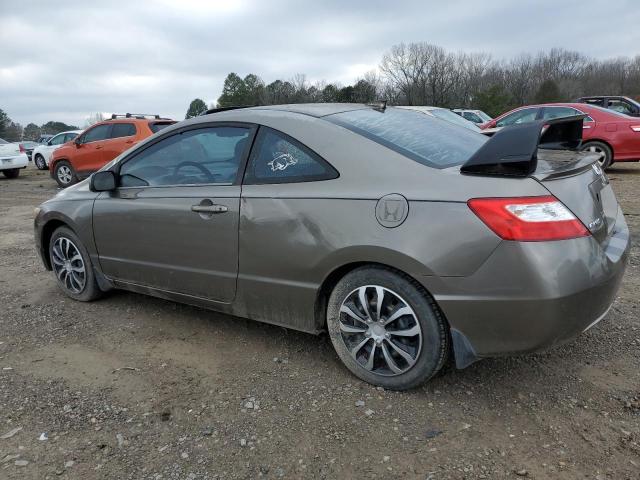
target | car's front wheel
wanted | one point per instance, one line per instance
(39, 162)
(386, 329)
(11, 173)
(72, 266)
(64, 174)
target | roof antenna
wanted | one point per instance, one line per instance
(379, 105)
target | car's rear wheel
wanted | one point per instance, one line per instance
(72, 266)
(11, 173)
(602, 150)
(64, 174)
(39, 162)
(386, 329)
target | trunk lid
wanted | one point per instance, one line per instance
(578, 181)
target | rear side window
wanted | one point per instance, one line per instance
(422, 138)
(123, 130)
(96, 133)
(278, 158)
(157, 126)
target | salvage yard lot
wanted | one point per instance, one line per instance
(137, 387)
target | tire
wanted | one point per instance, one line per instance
(11, 173)
(425, 340)
(39, 162)
(606, 155)
(68, 255)
(64, 174)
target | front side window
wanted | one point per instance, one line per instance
(521, 116)
(122, 130)
(195, 157)
(278, 158)
(96, 133)
(420, 137)
(57, 140)
(70, 136)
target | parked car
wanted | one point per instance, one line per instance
(404, 236)
(476, 116)
(444, 114)
(28, 147)
(12, 158)
(613, 136)
(100, 144)
(42, 153)
(625, 105)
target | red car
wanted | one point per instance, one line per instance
(615, 136)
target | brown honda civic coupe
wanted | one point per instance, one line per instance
(409, 239)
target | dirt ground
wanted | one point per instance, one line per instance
(133, 387)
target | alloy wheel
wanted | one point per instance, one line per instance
(64, 174)
(68, 265)
(602, 155)
(39, 161)
(380, 330)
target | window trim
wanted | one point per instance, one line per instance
(332, 174)
(252, 128)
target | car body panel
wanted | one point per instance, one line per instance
(288, 240)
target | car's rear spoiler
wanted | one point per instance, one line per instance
(512, 151)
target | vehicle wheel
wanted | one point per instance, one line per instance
(64, 174)
(72, 266)
(11, 173)
(602, 149)
(386, 329)
(40, 163)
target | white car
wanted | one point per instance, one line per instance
(42, 153)
(12, 158)
(444, 114)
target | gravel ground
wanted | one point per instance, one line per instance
(133, 387)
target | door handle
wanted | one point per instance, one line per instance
(98, 147)
(209, 208)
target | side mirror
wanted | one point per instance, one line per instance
(77, 141)
(103, 181)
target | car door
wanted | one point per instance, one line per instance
(52, 144)
(88, 154)
(172, 223)
(121, 138)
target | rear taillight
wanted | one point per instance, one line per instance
(635, 128)
(22, 150)
(528, 219)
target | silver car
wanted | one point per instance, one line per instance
(409, 239)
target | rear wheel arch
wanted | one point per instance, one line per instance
(607, 144)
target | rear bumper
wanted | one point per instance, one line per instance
(19, 161)
(531, 295)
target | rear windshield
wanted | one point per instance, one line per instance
(157, 126)
(422, 138)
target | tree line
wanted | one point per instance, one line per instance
(14, 132)
(426, 74)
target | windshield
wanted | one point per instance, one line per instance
(422, 138)
(449, 116)
(483, 115)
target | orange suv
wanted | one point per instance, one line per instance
(101, 143)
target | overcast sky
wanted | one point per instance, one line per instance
(63, 60)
